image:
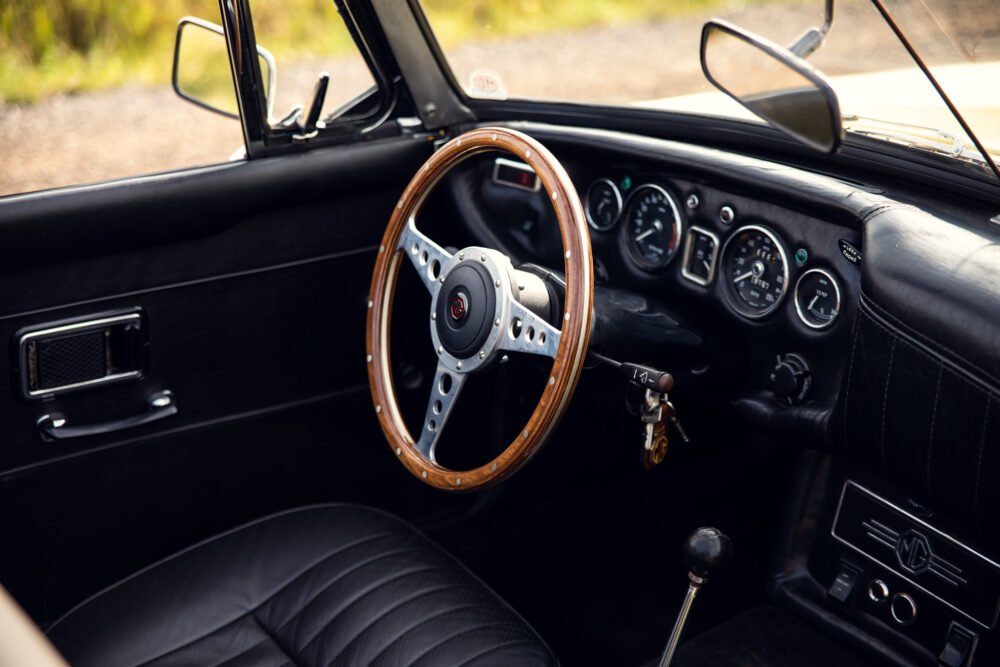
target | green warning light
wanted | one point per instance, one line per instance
(801, 256)
(626, 183)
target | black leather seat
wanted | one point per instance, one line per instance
(333, 585)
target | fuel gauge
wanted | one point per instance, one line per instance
(817, 299)
(700, 253)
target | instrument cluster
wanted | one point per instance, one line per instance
(748, 266)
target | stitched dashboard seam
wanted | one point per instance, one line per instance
(930, 442)
(885, 401)
(960, 363)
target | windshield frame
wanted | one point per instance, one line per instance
(758, 139)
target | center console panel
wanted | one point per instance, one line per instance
(903, 576)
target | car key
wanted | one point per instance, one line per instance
(676, 423)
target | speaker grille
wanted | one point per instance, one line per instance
(71, 359)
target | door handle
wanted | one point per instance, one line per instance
(54, 426)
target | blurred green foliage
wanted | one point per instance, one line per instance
(54, 46)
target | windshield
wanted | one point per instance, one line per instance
(646, 53)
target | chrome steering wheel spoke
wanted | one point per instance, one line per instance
(427, 257)
(527, 332)
(444, 392)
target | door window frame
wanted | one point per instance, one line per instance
(353, 121)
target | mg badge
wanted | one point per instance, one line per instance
(913, 551)
(459, 307)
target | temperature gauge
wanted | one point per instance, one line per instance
(817, 299)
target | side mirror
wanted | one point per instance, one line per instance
(773, 83)
(201, 72)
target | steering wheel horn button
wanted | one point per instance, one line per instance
(465, 307)
(459, 307)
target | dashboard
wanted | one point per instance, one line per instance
(768, 282)
(752, 264)
(828, 313)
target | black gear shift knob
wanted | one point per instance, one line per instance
(706, 551)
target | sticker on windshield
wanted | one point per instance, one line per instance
(486, 83)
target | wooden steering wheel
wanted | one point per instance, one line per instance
(481, 306)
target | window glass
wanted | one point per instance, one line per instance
(646, 53)
(85, 93)
(307, 37)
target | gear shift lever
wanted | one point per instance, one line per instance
(706, 551)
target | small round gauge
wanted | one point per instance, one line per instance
(653, 227)
(755, 271)
(603, 204)
(817, 298)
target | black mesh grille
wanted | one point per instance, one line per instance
(72, 359)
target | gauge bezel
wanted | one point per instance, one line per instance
(689, 248)
(798, 306)
(586, 205)
(734, 300)
(630, 249)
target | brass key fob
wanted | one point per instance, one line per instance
(656, 445)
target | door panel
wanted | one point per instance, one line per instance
(252, 279)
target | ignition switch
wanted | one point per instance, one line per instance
(790, 379)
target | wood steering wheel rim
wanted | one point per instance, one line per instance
(573, 338)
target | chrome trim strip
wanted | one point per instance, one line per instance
(949, 538)
(689, 248)
(513, 164)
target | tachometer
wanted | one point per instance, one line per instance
(755, 271)
(653, 227)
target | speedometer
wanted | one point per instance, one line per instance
(653, 227)
(755, 270)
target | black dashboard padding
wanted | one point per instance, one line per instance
(803, 425)
(324, 585)
(937, 282)
(920, 402)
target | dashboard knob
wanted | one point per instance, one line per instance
(790, 379)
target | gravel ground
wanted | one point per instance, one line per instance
(132, 130)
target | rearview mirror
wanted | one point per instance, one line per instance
(201, 73)
(773, 83)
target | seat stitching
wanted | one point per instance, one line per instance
(250, 611)
(225, 661)
(371, 623)
(453, 636)
(286, 651)
(354, 568)
(192, 641)
(218, 538)
(495, 647)
(358, 597)
(424, 621)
